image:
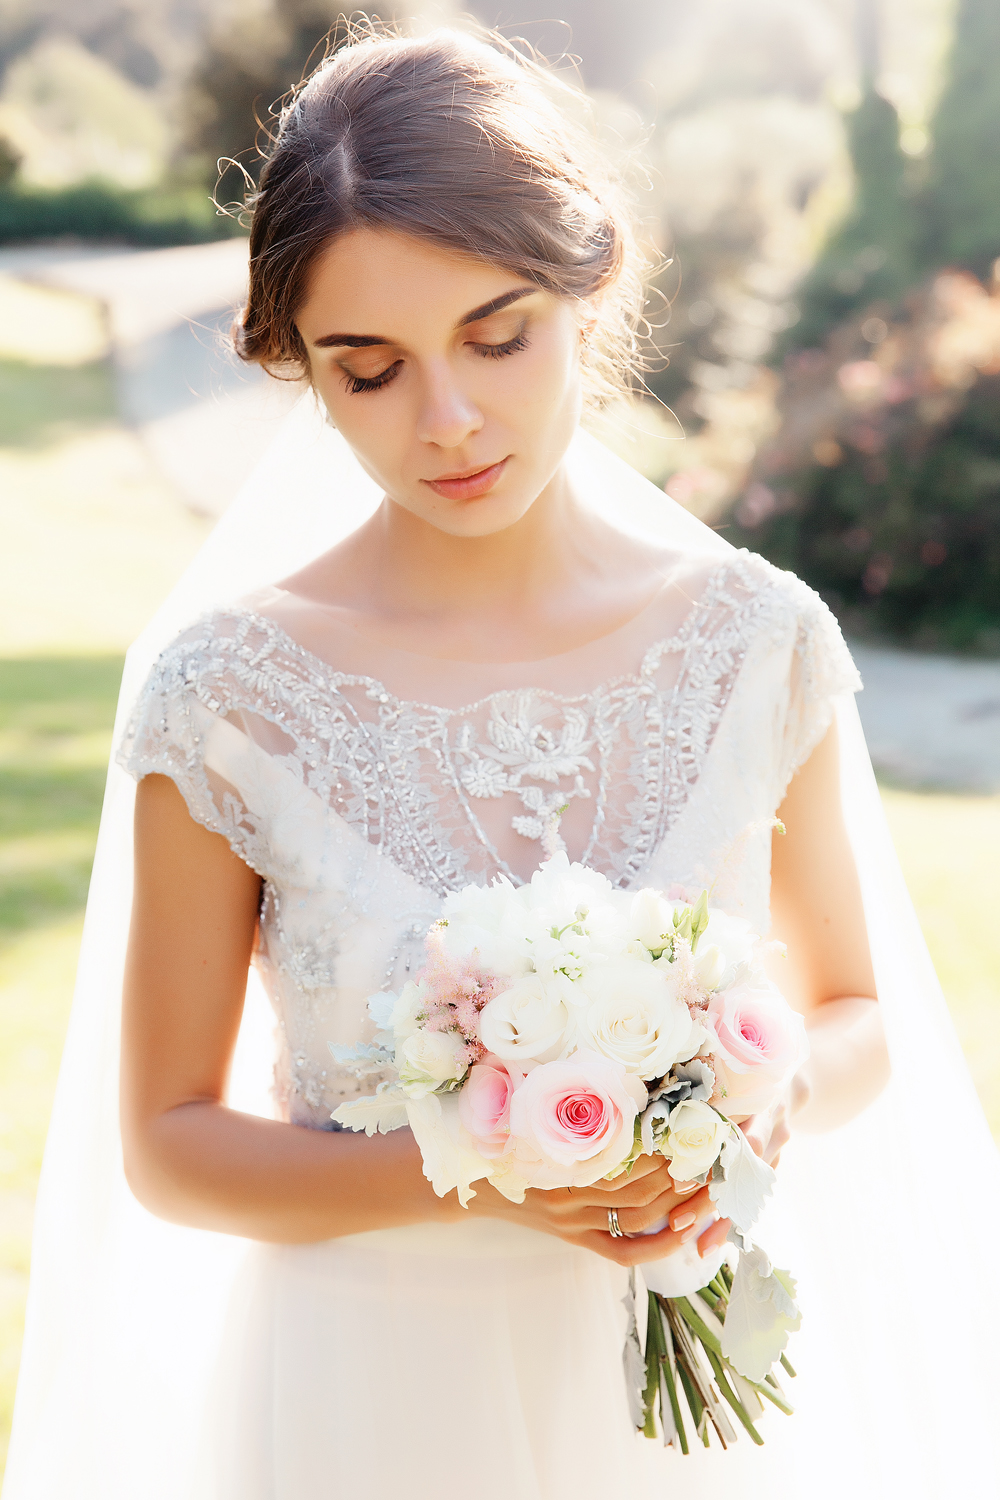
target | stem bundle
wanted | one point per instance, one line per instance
(684, 1354)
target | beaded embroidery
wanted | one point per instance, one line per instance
(412, 780)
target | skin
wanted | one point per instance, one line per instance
(516, 574)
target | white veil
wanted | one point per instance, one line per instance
(890, 1223)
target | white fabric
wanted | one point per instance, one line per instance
(166, 1362)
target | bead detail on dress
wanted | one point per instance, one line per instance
(362, 810)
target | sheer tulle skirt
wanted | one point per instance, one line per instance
(478, 1359)
(484, 1360)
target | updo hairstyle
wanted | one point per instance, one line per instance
(451, 140)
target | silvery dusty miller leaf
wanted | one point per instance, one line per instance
(633, 1362)
(760, 1316)
(746, 1184)
(379, 1113)
(364, 1058)
(380, 1008)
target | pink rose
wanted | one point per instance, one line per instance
(759, 1041)
(484, 1106)
(573, 1121)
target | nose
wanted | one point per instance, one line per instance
(447, 416)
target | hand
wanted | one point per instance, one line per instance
(769, 1130)
(642, 1198)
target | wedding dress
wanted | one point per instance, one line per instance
(363, 783)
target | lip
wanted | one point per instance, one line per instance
(471, 484)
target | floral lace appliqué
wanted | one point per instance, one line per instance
(361, 810)
(524, 748)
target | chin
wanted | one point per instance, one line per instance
(484, 524)
(476, 518)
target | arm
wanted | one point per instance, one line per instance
(191, 1159)
(188, 1157)
(817, 911)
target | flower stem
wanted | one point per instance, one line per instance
(731, 1397)
(669, 1368)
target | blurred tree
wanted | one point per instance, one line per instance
(743, 137)
(245, 69)
(961, 204)
(872, 256)
(882, 486)
(612, 43)
(10, 161)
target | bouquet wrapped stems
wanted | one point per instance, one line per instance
(684, 1357)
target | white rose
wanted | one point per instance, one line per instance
(651, 919)
(558, 886)
(430, 1058)
(735, 939)
(576, 914)
(403, 1015)
(530, 1021)
(490, 924)
(709, 966)
(634, 1017)
(695, 1137)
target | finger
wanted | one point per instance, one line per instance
(644, 1166)
(713, 1236)
(631, 1252)
(780, 1136)
(630, 1193)
(756, 1135)
(652, 1193)
(691, 1211)
(687, 1219)
(648, 1247)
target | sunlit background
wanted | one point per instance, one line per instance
(821, 179)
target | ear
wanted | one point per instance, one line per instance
(587, 317)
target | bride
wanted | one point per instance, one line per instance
(321, 759)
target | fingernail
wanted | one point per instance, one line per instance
(683, 1220)
(685, 1187)
(689, 1234)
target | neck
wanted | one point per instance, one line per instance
(427, 572)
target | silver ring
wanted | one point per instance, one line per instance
(614, 1228)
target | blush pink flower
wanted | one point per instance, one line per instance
(759, 1041)
(573, 1121)
(484, 1106)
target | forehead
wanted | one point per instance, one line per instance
(374, 281)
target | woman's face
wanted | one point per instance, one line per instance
(456, 384)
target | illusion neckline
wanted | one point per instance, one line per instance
(529, 665)
(661, 644)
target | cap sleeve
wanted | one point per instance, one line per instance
(822, 669)
(187, 724)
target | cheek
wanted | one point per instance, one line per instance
(550, 379)
(373, 425)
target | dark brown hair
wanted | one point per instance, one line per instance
(450, 139)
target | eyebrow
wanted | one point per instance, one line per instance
(370, 340)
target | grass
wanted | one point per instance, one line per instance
(93, 541)
(948, 848)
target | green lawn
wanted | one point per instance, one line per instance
(93, 542)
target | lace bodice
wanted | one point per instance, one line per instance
(361, 808)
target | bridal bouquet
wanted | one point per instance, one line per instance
(561, 1030)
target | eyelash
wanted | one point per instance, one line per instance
(357, 384)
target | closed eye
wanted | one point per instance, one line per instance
(358, 383)
(500, 351)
